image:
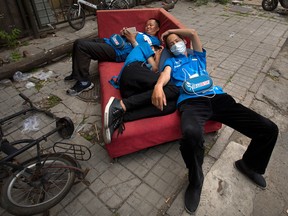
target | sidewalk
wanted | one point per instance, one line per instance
(240, 40)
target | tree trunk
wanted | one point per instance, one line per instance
(30, 62)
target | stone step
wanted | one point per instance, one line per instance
(226, 191)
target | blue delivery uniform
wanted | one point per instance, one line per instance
(141, 38)
(184, 67)
(196, 110)
(101, 49)
(136, 82)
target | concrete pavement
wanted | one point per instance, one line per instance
(247, 55)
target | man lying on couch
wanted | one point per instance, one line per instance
(103, 49)
(196, 108)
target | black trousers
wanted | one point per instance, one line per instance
(136, 88)
(224, 109)
(86, 49)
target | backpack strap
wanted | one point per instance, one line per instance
(114, 82)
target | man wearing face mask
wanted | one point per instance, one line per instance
(212, 104)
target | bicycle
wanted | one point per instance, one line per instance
(37, 184)
(76, 14)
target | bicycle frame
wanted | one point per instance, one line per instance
(61, 124)
(84, 2)
(76, 14)
(38, 173)
(28, 146)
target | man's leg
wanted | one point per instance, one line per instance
(86, 49)
(136, 87)
(194, 114)
(137, 107)
(83, 51)
(262, 131)
(139, 86)
(136, 78)
(149, 111)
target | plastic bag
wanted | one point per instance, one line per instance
(43, 75)
(29, 85)
(30, 124)
(19, 76)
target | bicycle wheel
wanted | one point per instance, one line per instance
(32, 191)
(76, 18)
(269, 5)
(119, 4)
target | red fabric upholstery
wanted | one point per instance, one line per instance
(112, 21)
(142, 133)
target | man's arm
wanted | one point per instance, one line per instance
(154, 60)
(158, 95)
(190, 33)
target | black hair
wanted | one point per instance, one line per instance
(156, 47)
(165, 39)
(156, 20)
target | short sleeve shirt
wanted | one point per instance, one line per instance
(187, 67)
(140, 53)
(121, 54)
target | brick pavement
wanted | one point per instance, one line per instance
(239, 41)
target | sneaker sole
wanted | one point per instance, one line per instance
(187, 210)
(106, 136)
(86, 89)
(106, 112)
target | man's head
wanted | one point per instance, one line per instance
(152, 26)
(175, 43)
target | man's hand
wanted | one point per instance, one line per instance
(164, 35)
(131, 37)
(159, 98)
(158, 53)
(155, 63)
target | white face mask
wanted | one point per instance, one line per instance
(178, 48)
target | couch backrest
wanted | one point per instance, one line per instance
(112, 21)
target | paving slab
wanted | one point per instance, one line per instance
(225, 190)
(239, 40)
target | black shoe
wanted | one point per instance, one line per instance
(108, 132)
(79, 87)
(113, 111)
(192, 198)
(69, 78)
(113, 119)
(257, 178)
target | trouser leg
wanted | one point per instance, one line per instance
(136, 78)
(136, 87)
(148, 111)
(86, 49)
(262, 131)
(194, 114)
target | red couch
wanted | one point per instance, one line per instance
(142, 133)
